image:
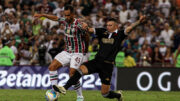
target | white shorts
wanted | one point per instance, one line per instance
(85, 58)
(74, 60)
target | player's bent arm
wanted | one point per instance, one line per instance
(51, 17)
(133, 25)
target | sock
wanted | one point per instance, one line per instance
(53, 77)
(112, 95)
(73, 80)
(78, 89)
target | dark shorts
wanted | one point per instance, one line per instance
(103, 69)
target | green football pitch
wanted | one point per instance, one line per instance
(39, 95)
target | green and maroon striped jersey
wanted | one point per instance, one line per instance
(73, 36)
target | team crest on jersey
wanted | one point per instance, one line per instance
(105, 33)
(68, 31)
(107, 40)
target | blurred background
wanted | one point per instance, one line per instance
(32, 44)
(153, 44)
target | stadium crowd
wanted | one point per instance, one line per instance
(36, 42)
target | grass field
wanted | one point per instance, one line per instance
(39, 95)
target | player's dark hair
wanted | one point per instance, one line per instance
(69, 7)
(112, 19)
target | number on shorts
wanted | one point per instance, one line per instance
(78, 59)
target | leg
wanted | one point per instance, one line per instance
(72, 81)
(77, 86)
(75, 63)
(54, 66)
(86, 68)
(105, 75)
(106, 93)
(77, 75)
(60, 60)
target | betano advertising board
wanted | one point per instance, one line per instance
(37, 77)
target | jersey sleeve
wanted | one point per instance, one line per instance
(79, 26)
(61, 20)
(99, 32)
(122, 34)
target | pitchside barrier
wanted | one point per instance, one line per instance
(145, 79)
(37, 77)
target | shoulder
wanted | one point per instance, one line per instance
(61, 19)
(121, 31)
(101, 29)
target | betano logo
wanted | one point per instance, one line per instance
(21, 79)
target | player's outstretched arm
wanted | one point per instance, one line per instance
(133, 25)
(51, 17)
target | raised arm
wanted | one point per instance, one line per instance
(133, 25)
(51, 17)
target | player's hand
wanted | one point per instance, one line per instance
(84, 26)
(142, 19)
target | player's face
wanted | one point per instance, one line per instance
(111, 26)
(68, 15)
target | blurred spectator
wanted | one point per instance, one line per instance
(18, 10)
(145, 58)
(162, 49)
(45, 7)
(6, 55)
(24, 54)
(129, 60)
(54, 50)
(98, 22)
(120, 59)
(135, 50)
(58, 11)
(25, 17)
(36, 27)
(6, 30)
(42, 57)
(10, 8)
(19, 37)
(123, 15)
(15, 25)
(28, 29)
(133, 13)
(165, 6)
(157, 58)
(86, 7)
(95, 8)
(94, 46)
(176, 38)
(168, 59)
(144, 38)
(177, 58)
(154, 38)
(166, 35)
(61, 29)
(108, 6)
(13, 47)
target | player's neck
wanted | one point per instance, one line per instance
(113, 30)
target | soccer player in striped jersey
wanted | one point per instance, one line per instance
(74, 47)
